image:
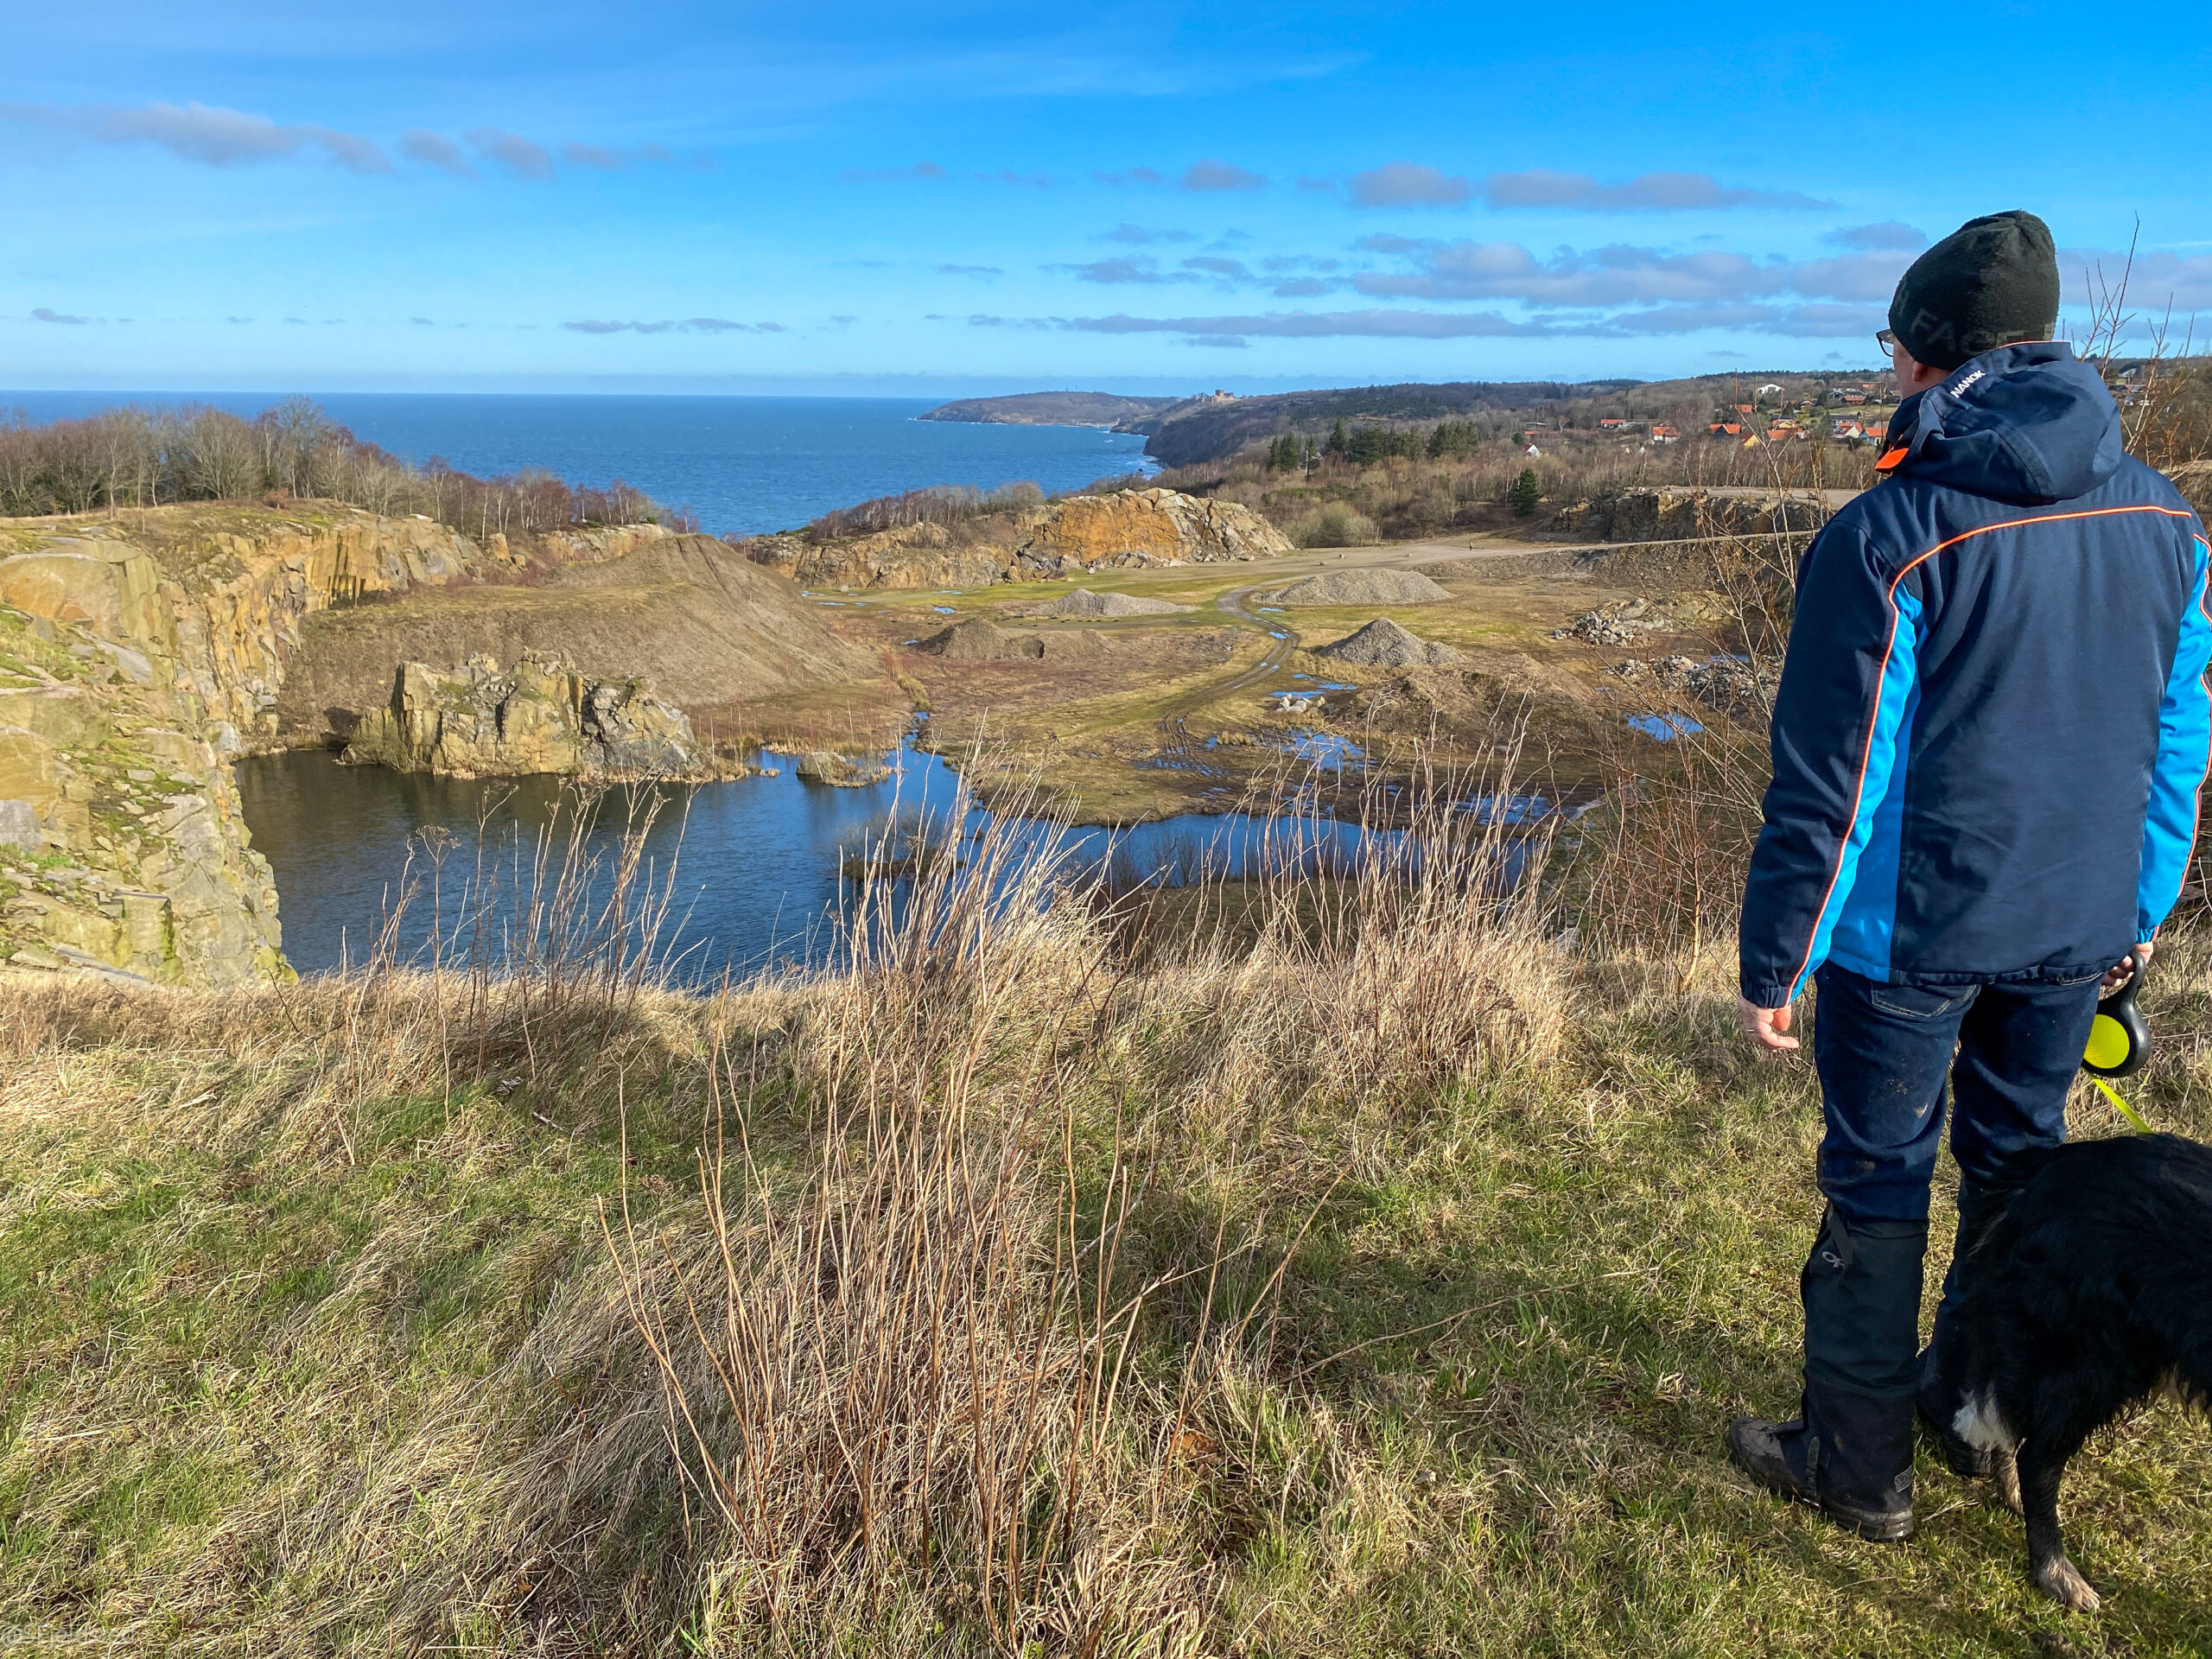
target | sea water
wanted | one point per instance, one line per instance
(744, 465)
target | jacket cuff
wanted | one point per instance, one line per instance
(2145, 935)
(1763, 994)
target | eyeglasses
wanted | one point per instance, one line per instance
(1887, 339)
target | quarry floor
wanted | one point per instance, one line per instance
(1180, 715)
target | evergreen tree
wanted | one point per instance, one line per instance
(1338, 444)
(1525, 493)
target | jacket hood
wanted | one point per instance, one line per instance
(2030, 424)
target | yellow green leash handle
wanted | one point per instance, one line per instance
(2120, 1042)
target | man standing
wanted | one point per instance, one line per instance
(1990, 731)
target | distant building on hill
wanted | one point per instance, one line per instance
(1612, 423)
(1661, 434)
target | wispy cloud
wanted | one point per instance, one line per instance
(1132, 175)
(1616, 275)
(969, 270)
(2155, 280)
(434, 150)
(1795, 321)
(605, 159)
(1129, 268)
(1219, 176)
(1319, 325)
(526, 159)
(1008, 175)
(925, 170)
(1137, 234)
(1407, 184)
(684, 326)
(42, 313)
(1416, 184)
(1646, 192)
(206, 134)
(1890, 233)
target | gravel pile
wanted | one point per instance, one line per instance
(1083, 602)
(1383, 644)
(1362, 587)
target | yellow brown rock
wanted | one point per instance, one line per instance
(1125, 529)
(541, 716)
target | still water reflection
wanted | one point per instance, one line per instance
(759, 880)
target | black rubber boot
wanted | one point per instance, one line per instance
(1849, 1452)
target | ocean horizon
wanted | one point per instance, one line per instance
(744, 464)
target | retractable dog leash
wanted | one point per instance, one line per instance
(2120, 1042)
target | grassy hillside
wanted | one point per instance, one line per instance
(1343, 1266)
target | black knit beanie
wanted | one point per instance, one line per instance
(1991, 282)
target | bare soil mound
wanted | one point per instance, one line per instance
(1383, 644)
(978, 641)
(1362, 587)
(1084, 602)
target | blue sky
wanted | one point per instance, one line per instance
(977, 196)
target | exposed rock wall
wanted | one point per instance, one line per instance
(478, 721)
(1128, 529)
(140, 653)
(703, 623)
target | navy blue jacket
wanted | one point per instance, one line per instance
(1992, 723)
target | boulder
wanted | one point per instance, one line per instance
(480, 722)
(19, 826)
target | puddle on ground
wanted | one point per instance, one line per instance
(1324, 750)
(946, 610)
(1665, 728)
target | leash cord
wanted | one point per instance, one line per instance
(2122, 1107)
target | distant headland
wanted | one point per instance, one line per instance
(1052, 408)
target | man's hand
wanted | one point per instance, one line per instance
(2123, 970)
(1768, 1028)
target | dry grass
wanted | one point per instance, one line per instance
(1371, 1277)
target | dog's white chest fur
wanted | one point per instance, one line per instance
(1981, 1426)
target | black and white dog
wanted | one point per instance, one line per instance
(2089, 1291)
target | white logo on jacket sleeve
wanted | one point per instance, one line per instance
(1961, 388)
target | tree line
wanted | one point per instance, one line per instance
(1364, 446)
(134, 457)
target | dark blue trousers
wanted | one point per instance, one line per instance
(1884, 1053)
(2001, 1055)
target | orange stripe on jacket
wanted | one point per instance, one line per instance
(1866, 752)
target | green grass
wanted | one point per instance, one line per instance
(275, 1335)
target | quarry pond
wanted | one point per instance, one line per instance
(761, 864)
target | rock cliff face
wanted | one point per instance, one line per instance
(706, 625)
(140, 653)
(1128, 530)
(477, 721)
